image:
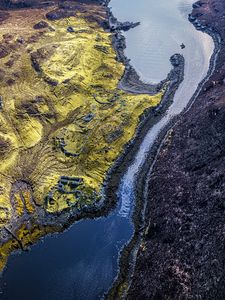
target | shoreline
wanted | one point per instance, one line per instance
(120, 287)
(196, 201)
(66, 219)
(149, 118)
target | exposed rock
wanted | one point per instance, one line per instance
(70, 29)
(4, 51)
(11, 81)
(41, 25)
(101, 48)
(88, 118)
(60, 14)
(113, 136)
(9, 63)
(116, 25)
(1, 102)
(20, 40)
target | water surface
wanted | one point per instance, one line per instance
(82, 262)
(164, 27)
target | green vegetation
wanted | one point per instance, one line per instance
(63, 119)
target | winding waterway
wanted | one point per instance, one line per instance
(82, 262)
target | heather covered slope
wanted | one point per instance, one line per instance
(182, 254)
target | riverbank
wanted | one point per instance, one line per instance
(30, 220)
(70, 214)
(182, 252)
(128, 255)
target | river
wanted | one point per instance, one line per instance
(82, 262)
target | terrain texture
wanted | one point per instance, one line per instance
(183, 252)
(63, 119)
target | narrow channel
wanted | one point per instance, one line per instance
(82, 262)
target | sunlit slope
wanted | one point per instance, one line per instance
(63, 122)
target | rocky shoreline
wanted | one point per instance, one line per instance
(129, 82)
(148, 119)
(188, 264)
(60, 222)
(128, 255)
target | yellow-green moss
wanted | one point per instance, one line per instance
(72, 96)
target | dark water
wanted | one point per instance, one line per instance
(78, 264)
(82, 262)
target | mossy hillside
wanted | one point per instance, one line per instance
(62, 113)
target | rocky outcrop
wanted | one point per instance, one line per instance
(41, 25)
(115, 25)
(131, 81)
